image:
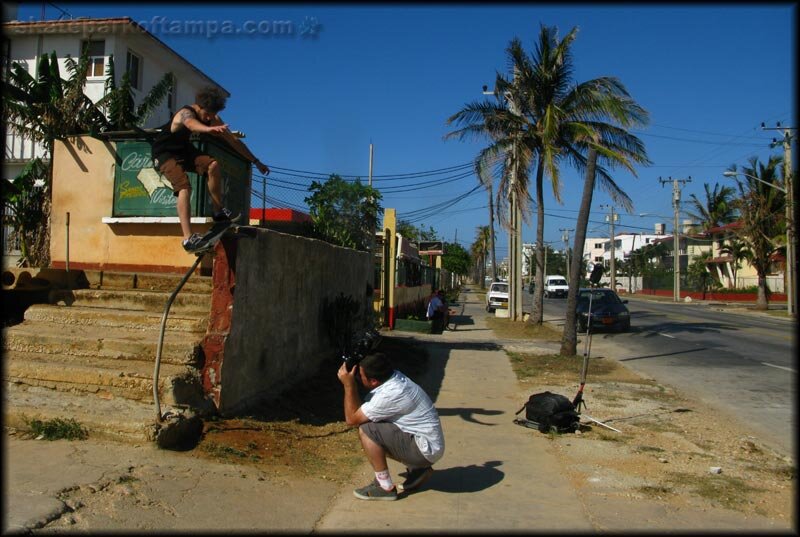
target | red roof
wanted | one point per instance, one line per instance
(279, 215)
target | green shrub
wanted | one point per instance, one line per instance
(57, 428)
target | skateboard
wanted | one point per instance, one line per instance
(222, 229)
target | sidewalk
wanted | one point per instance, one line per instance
(495, 476)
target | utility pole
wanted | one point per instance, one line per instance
(613, 261)
(676, 206)
(791, 215)
(565, 238)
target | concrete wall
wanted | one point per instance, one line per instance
(279, 334)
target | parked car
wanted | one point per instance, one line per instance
(555, 286)
(497, 296)
(608, 310)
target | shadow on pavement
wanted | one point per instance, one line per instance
(461, 479)
(467, 414)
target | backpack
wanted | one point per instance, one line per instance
(551, 411)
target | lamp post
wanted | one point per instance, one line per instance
(611, 219)
(514, 234)
(790, 306)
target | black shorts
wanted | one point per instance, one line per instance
(399, 445)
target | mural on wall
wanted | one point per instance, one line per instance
(139, 190)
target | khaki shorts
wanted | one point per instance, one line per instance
(399, 445)
(174, 169)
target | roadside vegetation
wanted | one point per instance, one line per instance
(667, 447)
(56, 429)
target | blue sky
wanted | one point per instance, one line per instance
(390, 75)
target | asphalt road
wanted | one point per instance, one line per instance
(741, 363)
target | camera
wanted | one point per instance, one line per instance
(361, 343)
(351, 361)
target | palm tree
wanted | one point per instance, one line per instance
(717, 209)
(23, 204)
(737, 249)
(118, 102)
(761, 209)
(486, 178)
(45, 108)
(480, 249)
(540, 113)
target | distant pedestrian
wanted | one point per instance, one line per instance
(445, 310)
(397, 420)
(435, 312)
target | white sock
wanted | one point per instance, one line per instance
(384, 480)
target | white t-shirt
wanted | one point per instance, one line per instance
(434, 305)
(401, 401)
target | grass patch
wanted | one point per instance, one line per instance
(655, 491)
(649, 449)
(57, 429)
(223, 452)
(508, 329)
(726, 490)
(528, 366)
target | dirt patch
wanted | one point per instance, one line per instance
(669, 448)
(302, 432)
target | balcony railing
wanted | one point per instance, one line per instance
(22, 148)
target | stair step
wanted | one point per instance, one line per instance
(102, 378)
(133, 300)
(112, 419)
(97, 317)
(99, 279)
(89, 343)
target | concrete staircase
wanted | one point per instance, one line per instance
(90, 354)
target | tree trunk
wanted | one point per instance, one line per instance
(537, 315)
(569, 338)
(761, 300)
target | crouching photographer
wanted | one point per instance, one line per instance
(396, 420)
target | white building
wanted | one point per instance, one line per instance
(598, 250)
(135, 50)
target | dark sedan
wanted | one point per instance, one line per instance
(608, 311)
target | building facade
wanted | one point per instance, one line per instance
(139, 53)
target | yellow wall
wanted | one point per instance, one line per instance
(83, 185)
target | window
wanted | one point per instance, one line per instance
(96, 51)
(599, 245)
(598, 259)
(133, 66)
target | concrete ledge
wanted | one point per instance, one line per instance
(153, 220)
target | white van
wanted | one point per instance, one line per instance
(555, 286)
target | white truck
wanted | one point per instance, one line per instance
(555, 286)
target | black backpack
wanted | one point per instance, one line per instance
(550, 411)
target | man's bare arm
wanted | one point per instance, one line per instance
(239, 146)
(189, 120)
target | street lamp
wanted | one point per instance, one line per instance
(515, 231)
(789, 244)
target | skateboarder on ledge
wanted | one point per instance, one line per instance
(174, 155)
